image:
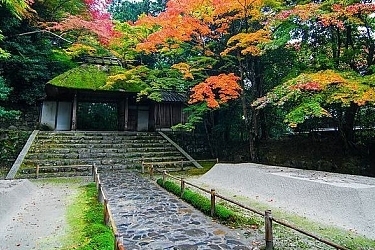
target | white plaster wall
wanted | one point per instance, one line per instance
(49, 114)
(64, 116)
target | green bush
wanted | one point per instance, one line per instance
(203, 203)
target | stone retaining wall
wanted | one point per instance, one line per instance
(28, 120)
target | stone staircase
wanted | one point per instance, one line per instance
(51, 151)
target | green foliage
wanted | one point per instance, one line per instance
(85, 217)
(203, 204)
(130, 10)
(97, 116)
(31, 64)
(11, 144)
(16, 7)
(4, 92)
(196, 113)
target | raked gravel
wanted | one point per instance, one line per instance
(33, 214)
(340, 200)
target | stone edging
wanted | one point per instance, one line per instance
(191, 159)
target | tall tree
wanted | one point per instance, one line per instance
(334, 40)
(231, 32)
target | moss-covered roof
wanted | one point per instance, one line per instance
(96, 77)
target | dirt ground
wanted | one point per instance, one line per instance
(33, 213)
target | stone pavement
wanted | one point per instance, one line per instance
(148, 217)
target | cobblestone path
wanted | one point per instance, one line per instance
(148, 217)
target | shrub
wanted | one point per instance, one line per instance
(201, 202)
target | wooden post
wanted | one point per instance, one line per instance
(152, 172)
(93, 172)
(268, 229)
(164, 176)
(100, 193)
(126, 113)
(106, 212)
(97, 182)
(212, 202)
(143, 167)
(116, 245)
(37, 171)
(182, 186)
(74, 112)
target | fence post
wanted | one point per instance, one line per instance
(164, 176)
(143, 167)
(212, 202)
(268, 229)
(152, 171)
(96, 178)
(100, 193)
(182, 186)
(106, 212)
(37, 171)
(93, 172)
(116, 245)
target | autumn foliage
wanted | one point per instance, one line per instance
(216, 90)
(97, 21)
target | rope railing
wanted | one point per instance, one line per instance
(268, 218)
(108, 217)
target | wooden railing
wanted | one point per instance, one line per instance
(268, 218)
(151, 166)
(108, 218)
(75, 168)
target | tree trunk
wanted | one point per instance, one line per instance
(346, 127)
(257, 91)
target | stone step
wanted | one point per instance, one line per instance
(161, 144)
(67, 150)
(99, 141)
(97, 161)
(101, 154)
(107, 150)
(98, 136)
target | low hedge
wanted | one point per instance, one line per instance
(203, 204)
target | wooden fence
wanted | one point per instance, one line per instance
(108, 218)
(268, 218)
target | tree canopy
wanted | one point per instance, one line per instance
(266, 61)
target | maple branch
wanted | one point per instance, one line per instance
(44, 31)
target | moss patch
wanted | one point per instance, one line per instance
(95, 77)
(85, 218)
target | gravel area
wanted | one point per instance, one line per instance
(339, 200)
(33, 214)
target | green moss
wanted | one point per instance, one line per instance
(84, 77)
(85, 218)
(206, 166)
(95, 77)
